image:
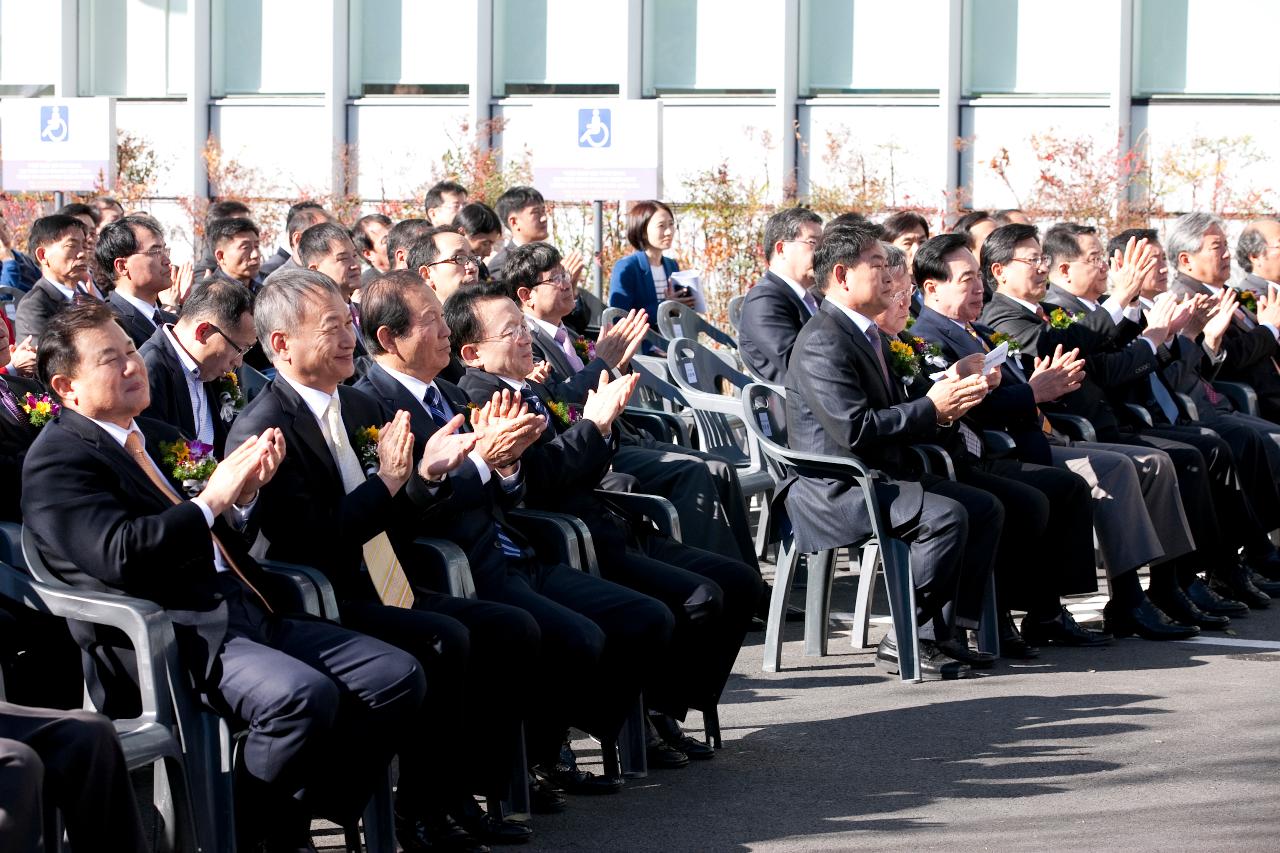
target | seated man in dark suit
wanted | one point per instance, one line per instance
(1042, 504)
(132, 254)
(841, 400)
(712, 595)
(783, 300)
(16, 433)
(704, 487)
(300, 216)
(327, 248)
(71, 761)
(58, 244)
(370, 237)
(324, 510)
(191, 363)
(236, 248)
(523, 212)
(442, 257)
(327, 705)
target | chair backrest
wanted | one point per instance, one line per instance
(252, 381)
(677, 320)
(9, 297)
(609, 316)
(11, 545)
(655, 391)
(735, 313)
(36, 565)
(595, 308)
(697, 368)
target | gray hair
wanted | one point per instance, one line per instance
(282, 302)
(1251, 243)
(896, 258)
(1186, 234)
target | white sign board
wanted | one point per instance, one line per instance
(584, 150)
(52, 144)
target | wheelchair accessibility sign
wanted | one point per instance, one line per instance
(594, 130)
(53, 124)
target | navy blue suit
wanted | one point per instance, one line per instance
(631, 284)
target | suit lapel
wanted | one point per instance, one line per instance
(861, 345)
(179, 379)
(117, 457)
(305, 426)
(551, 352)
(796, 303)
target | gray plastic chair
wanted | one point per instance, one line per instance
(704, 380)
(653, 338)
(735, 313)
(677, 320)
(252, 381)
(1240, 395)
(762, 412)
(9, 299)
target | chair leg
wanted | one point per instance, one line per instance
(762, 528)
(379, 821)
(989, 626)
(518, 803)
(896, 559)
(609, 758)
(817, 606)
(782, 579)
(711, 723)
(632, 743)
(868, 567)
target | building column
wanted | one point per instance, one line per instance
(788, 90)
(67, 83)
(1122, 88)
(336, 94)
(198, 95)
(631, 83)
(949, 103)
(480, 86)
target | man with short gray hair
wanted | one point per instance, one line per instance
(1197, 248)
(1258, 254)
(783, 300)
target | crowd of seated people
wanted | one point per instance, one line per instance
(431, 378)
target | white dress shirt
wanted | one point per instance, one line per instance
(201, 411)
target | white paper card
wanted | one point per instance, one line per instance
(995, 358)
(690, 374)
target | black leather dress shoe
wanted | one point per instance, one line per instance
(435, 834)
(1012, 644)
(670, 731)
(571, 780)
(1234, 582)
(1062, 630)
(490, 828)
(1211, 602)
(662, 755)
(545, 798)
(1146, 620)
(1177, 606)
(1270, 587)
(1267, 565)
(958, 648)
(934, 665)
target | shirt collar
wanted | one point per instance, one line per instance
(1088, 303)
(189, 365)
(68, 293)
(146, 309)
(1146, 303)
(793, 284)
(120, 434)
(863, 323)
(317, 401)
(517, 384)
(1030, 306)
(546, 327)
(412, 384)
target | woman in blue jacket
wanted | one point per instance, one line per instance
(643, 279)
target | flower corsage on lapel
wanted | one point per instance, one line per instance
(230, 397)
(1060, 319)
(566, 414)
(367, 449)
(40, 409)
(586, 349)
(998, 338)
(190, 463)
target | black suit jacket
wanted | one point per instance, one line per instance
(564, 383)
(469, 516)
(35, 309)
(1011, 407)
(139, 328)
(772, 317)
(16, 437)
(305, 515)
(564, 467)
(102, 524)
(839, 405)
(273, 263)
(170, 401)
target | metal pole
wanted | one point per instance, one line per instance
(597, 269)
(58, 200)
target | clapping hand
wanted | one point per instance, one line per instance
(243, 471)
(395, 452)
(1056, 375)
(608, 400)
(540, 373)
(618, 343)
(446, 449)
(574, 264)
(505, 428)
(1160, 319)
(181, 276)
(22, 357)
(1220, 320)
(1130, 268)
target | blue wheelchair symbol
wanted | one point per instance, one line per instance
(593, 128)
(53, 124)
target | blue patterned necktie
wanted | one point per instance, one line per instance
(435, 406)
(535, 402)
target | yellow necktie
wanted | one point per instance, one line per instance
(385, 570)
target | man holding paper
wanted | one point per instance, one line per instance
(1042, 503)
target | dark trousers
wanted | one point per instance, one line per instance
(712, 598)
(983, 520)
(1254, 447)
(600, 644)
(326, 708)
(478, 658)
(69, 760)
(1041, 505)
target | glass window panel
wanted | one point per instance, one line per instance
(1206, 47)
(548, 47)
(270, 47)
(1017, 47)
(390, 56)
(708, 47)
(28, 68)
(856, 46)
(130, 48)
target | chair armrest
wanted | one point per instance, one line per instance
(933, 456)
(145, 624)
(300, 588)
(999, 444)
(453, 562)
(1242, 396)
(654, 508)
(663, 426)
(1187, 405)
(1074, 426)
(557, 535)
(1139, 414)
